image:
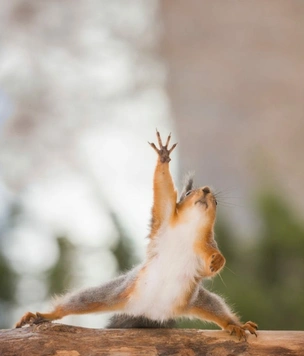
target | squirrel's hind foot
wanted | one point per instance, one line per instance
(240, 330)
(30, 319)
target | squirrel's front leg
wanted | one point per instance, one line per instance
(213, 258)
(164, 192)
(215, 263)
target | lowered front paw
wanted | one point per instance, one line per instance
(217, 262)
(240, 330)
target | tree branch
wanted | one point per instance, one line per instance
(64, 340)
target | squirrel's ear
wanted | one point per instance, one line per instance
(188, 185)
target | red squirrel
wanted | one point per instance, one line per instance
(181, 253)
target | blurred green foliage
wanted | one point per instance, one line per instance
(124, 250)
(8, 277)
(7, 280)
(279, 265)
(7, 291)
(60, 276)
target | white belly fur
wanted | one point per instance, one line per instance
(167, 276)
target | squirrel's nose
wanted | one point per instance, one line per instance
(206, 190)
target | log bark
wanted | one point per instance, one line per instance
(64, 340)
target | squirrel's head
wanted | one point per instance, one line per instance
(199, 204)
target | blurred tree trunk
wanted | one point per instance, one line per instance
(236, 77)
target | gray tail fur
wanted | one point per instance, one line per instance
(123, 321)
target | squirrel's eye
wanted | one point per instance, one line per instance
(189, 191)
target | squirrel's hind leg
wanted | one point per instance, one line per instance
(210, 307)
(108, 297)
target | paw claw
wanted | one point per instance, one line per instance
(30, 319)
(240, 330)
(163, 151)
(217, 262)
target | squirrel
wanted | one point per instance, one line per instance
(181, 253)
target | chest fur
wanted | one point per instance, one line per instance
(167, 277)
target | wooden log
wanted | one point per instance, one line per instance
(64, 340)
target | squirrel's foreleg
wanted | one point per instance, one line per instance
(164, 192)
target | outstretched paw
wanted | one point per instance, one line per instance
(30, 319)
(240, 330)
(163, 151)
(217, 262)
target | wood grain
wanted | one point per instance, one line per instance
(64, 340)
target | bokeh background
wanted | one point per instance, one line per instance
(83, 87)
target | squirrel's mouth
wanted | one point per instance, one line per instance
(202, 201)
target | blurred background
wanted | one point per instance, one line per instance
(82, 89)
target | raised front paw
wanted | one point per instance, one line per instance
(240, 330)
(217, 262)
(163, 151)
(30, 319)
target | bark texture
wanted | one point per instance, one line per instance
(63, 340)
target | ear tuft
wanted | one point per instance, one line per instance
(188, 185)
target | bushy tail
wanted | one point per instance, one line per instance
(123, 321)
